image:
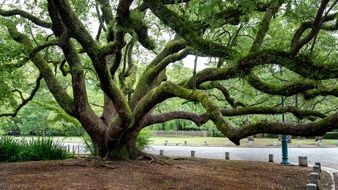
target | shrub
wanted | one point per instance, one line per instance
(331, 135)
(44, 149)
(142, 140)
(33, 150)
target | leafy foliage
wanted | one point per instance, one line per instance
(12, 150)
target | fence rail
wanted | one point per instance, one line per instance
(181, 133)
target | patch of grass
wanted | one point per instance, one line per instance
(9, 149)
(12, 150)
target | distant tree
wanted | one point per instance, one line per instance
(128, 56)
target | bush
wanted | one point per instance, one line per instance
(142, 140)
(331, 135)
(33, 150)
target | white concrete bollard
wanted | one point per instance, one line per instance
(314, 178)
(302, 160)
(311, 186)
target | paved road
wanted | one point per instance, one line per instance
(326, 156)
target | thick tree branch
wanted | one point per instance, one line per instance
(61, 96)
(76, 27)
(264, 25)
(183, 28)
(167, 90)
(26, 15)
(318, 128)
(145, 82)
(200, 119)
(320, 92)
(79, 32)
(290, 89)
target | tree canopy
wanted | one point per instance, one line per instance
(257, 51)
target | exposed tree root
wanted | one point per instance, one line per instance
(154, 159)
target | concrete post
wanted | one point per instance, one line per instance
(270, 157)
(314, 178)
(302, 160)
(205, 143)
(311, 186)
(161, 152)
(227, 155)
(318, 164)
(193, 154)
(316, 169)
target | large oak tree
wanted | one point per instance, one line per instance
(245, 37)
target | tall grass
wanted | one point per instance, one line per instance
(30, 150)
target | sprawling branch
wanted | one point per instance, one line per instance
(183, 28)
(264, 25)
(61, 96)
(298, 42)
(225, 93)
(169, 54)
(320, 92)
(79, 32)
(26, 15)
(302, 64)
(290, 89)
(167, 90)
(25, 101)
(318, 128)
(76, 27)
(200, 119)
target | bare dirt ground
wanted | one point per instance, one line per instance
(181, 174)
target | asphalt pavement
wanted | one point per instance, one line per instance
(328, 157)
